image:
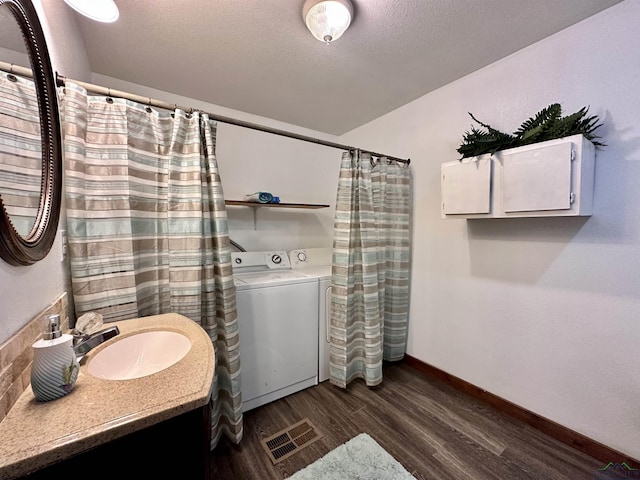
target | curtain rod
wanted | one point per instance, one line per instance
(16, 69)
(61, 80)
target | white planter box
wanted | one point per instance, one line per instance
(546, 179)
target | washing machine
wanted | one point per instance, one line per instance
(316, 263)
(277, 326)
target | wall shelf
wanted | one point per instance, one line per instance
(242, 203)
(255, 205)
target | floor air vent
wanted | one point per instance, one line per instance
(291, 440)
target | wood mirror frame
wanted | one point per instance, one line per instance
(18, 249)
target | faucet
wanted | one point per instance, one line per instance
(82, 344)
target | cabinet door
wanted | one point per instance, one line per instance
(537, 179)
(466, 187)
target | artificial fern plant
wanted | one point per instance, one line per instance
(547, 124)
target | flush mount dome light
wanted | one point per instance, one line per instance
(327, 20)
(98, 10)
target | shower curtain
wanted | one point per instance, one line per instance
(20, 151)
(371, 247)
(147, 226)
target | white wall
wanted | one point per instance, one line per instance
(251, 161)
(297, 172)
(26, 291)
(542, 312)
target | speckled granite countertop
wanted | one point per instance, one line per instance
(34, 435)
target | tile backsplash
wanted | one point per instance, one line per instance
(16, 354)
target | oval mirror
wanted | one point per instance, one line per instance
(30, 138)
(20, 144)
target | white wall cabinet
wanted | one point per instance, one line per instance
(553, 178)
(466, 187)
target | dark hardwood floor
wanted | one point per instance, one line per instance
(433, 430)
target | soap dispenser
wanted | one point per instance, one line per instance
(55, 366)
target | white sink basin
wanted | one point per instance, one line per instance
(139, 355)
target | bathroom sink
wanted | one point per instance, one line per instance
(138, 355)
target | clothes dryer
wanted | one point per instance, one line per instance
(277, 325)
(316, 263)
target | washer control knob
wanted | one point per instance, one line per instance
(302, 256)
(277, 259)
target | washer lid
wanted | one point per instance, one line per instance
(269, 278)
(321, 271)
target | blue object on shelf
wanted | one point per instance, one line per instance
(260, 197)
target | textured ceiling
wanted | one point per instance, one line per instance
(257, 56)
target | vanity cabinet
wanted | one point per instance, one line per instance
(553, 178)
(179, 445)
(143, 427)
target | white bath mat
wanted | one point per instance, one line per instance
(361, 458)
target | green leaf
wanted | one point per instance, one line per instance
(546, 116)
(547, 124)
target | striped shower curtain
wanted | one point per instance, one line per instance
(20, 151)
(147, 226)
(371, 247)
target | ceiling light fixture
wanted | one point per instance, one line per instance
(98, 10)
(327, 20)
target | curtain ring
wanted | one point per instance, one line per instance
(10, 76)
(148, 107)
